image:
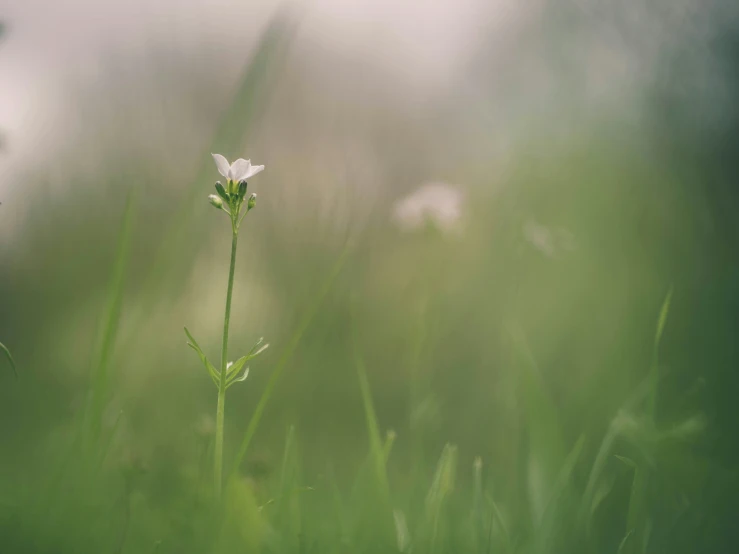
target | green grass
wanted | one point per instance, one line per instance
(4, 349)
(453, 509)
(548, 483)
(570, 498)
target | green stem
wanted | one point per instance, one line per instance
(220, 410)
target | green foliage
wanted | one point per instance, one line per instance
(215, 375)
(108, 331)
(577, 458)
(4, 350)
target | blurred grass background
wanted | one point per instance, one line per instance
(496, 387)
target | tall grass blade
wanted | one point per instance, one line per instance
(546, 446)
(388, 446)
(645, 392)
(624, 542)
(586, 508)
(654, 371)
(286, 472)
(636, 519)
(377, 450)
(286, 357)
(109, 328)
(441, 488)
(110, 439)
(496, 517)
(4, 350)
(554, 511)
(339, 506)
(287, 505)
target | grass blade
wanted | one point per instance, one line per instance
(441, 488)
(546, 446)
(286, 357)
(640, 395)
(636, 519)
(377, 450)
(497, 517)
(624, 542)
(646, 391)
(5, 350)
(109, 329)
(654, 371)
(546, 536)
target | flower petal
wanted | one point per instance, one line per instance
(253, 170)
(239, 169)
(221, 164)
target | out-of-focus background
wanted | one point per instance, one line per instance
(516, 187)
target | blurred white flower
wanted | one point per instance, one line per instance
(540, 237)
(240, 170)
(546, 240)
(437, 203)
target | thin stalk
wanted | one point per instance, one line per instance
(5, 351)
(220, 409)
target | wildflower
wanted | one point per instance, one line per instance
(437, 203)
(252, 201)
(230, 199)
(240, 170)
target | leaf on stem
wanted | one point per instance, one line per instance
(214, 374)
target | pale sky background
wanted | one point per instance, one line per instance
(50, 44)
(55, 48)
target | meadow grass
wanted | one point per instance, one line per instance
(452, 509)
(613, 492)
(591, 494)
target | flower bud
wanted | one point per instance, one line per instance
(221, 191)
(252, 201)
(242, 189)
(217, 202)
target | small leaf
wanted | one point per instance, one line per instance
(4, 349)
(214, 374)
(234, 368)
(256, 350)
(238, 379)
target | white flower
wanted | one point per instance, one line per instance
(437, 203)
(240, 170)
(540, 237)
